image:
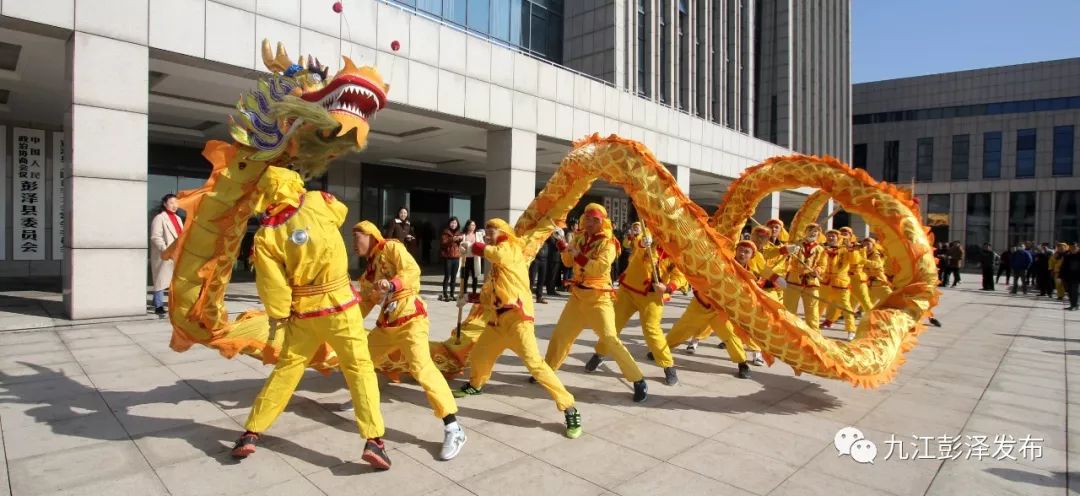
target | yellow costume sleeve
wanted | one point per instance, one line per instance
(675, 279)
(406, 273)
(598, 262)
(270, 277)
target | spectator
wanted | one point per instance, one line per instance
(402, 229)
(450, 251)
(554, 279)
(1020, 264)
(1041, 270)
(1005, 265)
(987, 260)
(538, 271)
(940, 256)
(471, 269)
(955, 261)
(165, 228)
(1070, 275)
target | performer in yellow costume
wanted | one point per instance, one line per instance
(643, 289)
(805, 265)
(877, 282)
(778, 235)
(302, 276)
(591, 300)
(703, 314)
(1055, 268)
(392, 280)
(860, 290)
(508, 309)
(836, 283)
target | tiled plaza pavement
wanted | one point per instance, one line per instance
(110, 409)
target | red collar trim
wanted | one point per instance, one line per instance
(283, 216)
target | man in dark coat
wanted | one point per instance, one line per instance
(538, 270)
(987, 261)
(1020, 263)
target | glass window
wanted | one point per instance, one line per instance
(961, 145)
(978, 224)
(665, 52)
(1021, 217)
(642, 50)
(454, 11)
(992, 155)
(924, 160)
(515, 22)
(891, 165)
(433, 7)
(1067, 217)
(937, 216)
(477, 16)
(684, 56)
(1063, 150)
(500, 19)
(858, 156)
(1025, 153)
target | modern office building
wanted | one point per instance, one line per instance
(991, 152)
(112, 100)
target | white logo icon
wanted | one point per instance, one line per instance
(864, 451)
(845, 438)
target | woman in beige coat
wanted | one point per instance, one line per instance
(164, 230)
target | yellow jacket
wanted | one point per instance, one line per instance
(1055, 264)
(810, 257)
(301, 267)
(644, 262)
(390, 260)
(592, 266)
(837, 267)
(874, 266)
(857, 271)
(510, 287)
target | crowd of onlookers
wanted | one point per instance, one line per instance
(1053, 271)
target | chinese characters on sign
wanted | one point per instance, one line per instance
(59, 175)
(969, 447)
(28, 193)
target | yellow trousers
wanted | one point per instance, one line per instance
(344, 332)
(809, 296)
(595, 309)
(512, 331)
(697, 317)
(878, 292)
(840, 299)
(860, 296)
(650, 308)
(412, 340)
(1060, 286)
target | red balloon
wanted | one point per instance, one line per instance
(337, 7)
(395, 45)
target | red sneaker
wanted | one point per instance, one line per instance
(375, 454)
(245, 446)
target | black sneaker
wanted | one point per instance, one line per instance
(375, 454)
(935, 322)
(641, 391)
(722, 345)
(744, 371)
(245, 446)
(594, 363)
(670, 376)
(466, 390)
(532, 380)
(573, 423)
(649, 355)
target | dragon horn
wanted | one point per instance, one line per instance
(276, 63)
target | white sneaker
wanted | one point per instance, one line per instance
(691, 347)
(851, 336)
(757, 361)
(453, 439)
(346, 407)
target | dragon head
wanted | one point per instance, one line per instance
(301, 119)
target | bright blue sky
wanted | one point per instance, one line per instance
(901, 38)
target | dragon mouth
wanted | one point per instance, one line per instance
(351, 95)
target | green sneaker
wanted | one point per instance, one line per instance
(573, 423)
(466, 390)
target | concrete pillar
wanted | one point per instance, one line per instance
(958, 218)
(343, 181)
(999, 219)
(825, 216)
(768, 208)
(511, 173)
(1044, 217)
(682, 176)
(105, 260)
(859, 226)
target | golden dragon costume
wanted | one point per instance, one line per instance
(305, 124)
